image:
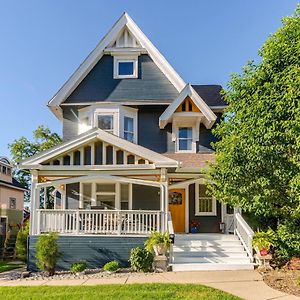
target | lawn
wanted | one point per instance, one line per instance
(6, 266)
(130, 291)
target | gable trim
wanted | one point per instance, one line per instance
(188, 91)
(97, 53)
(158, 160)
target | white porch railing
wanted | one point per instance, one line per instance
(114, 222)
(244, 233)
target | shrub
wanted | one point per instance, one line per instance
(111, 266)
(141, 260)
(21, 243)
(77, 267)
(264, 239)
(157, 238)
(47, 252)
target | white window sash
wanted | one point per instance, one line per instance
(197, 203)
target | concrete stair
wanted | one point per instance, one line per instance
(195, 252)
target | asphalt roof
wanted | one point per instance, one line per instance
(210, 94)
(14, 183)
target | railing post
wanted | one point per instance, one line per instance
(38, 222)
(119, 223)
(77, 222)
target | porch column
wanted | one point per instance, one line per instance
(164, 198)
(33, 200)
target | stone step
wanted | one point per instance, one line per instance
(210, 266)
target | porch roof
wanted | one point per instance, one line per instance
(158, 160)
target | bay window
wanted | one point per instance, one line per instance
(128, 129)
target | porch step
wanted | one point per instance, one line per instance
(209, 252)
(178, 267)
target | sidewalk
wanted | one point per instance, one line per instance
(245, 284)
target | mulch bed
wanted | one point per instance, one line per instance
(286, 279)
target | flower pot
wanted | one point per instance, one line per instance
(194, 230)
(263, 252)
(160, 249)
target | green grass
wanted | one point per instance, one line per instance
(130, 291)
(7, 266)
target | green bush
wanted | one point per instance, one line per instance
(21, 243)
(111, 266)
(47, 252)
(264, 239)
(157, 238)
(287, 242)
(141, 260)
(77, 267)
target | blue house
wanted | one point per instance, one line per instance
(136, 142)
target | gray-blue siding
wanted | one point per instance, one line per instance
(95, 250)
(99, 84)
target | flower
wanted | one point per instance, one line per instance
(195, 224)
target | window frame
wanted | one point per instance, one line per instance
(213, 213)
(15, 204)
(178, 140)
(127, 131)
(120, 59)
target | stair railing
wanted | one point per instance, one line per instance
(172, 236)
(244, 233)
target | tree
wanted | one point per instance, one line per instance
(258, 153)
(23, 148)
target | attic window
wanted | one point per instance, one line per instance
(125, 67)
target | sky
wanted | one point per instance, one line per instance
(42, 42)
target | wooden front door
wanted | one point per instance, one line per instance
(177, 209)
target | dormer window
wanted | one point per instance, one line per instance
(125, 67)
(185, 139)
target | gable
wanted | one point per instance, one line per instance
(98, 148)
(126, 24)
(187, 105)
(99, 84)
(195, 105)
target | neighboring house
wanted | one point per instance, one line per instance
(136, 142)
(11, 200)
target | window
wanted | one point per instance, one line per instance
(106, 122)
(128, 129)
(205, 205)
(125, 67)
(185, 139)
(3, 169)
(12, 203)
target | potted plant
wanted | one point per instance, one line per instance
(158, 242)
(262, 241)
(195, 226)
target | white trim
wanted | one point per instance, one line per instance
(159, 160)
(188, 90)
(120, 59)
(97, 53)
(214, 204)
(177, 150)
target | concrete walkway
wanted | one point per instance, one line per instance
(245, 284)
